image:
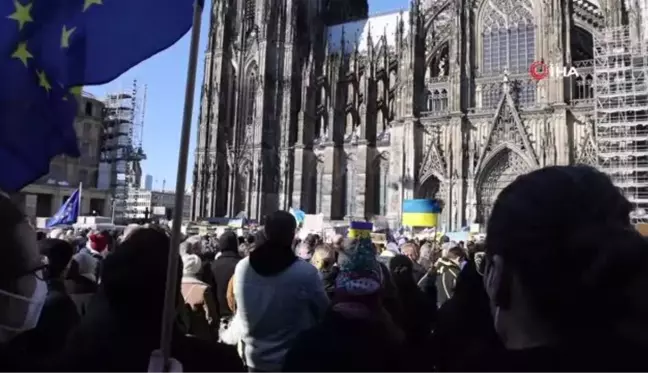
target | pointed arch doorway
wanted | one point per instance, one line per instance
(501, 170)
(429, 187)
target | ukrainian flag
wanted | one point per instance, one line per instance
(421, 212)
(360, 229)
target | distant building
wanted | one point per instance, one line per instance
(160, 204)
(45, 196)
(148, 182)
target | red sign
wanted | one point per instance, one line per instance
(539, 70)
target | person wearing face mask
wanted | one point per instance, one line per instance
(23, 289)
(59, 313)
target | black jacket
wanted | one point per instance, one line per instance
(418, 271)
(58, 318)
(31, 350)
(107, 340)
(339, 344)
(447, 273)
(222, 271)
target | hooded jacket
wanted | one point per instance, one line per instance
(446, 280)
(222, 270)
(277, 297)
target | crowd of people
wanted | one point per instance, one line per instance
(558, 285)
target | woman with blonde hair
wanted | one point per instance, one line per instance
(324, 260)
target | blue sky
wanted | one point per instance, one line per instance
(165, 75)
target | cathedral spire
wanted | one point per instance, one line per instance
(413, 12)
(400, 30)
(326, 45)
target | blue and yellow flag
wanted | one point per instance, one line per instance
(87, 42)
(360, 229)
(420, 213)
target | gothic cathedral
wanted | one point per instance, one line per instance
(349, 115)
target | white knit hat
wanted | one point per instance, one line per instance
(191, 265)
(55, 233)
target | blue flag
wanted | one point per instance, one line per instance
(36, 121)
(86, 42)
(48, 49)
(68, 213)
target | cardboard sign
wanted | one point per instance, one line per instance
(379, 238)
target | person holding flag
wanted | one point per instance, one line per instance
(69, 212)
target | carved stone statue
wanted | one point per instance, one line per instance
(323, 130)
(355, 134)
(442, 67)
(506, 81)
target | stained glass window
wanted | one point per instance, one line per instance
(512, 48)
(509, 42)
(491, 95)
(251, 88)
(437, 100)
(250, 11)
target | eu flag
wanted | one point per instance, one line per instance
(68, 212)
(36, 118)
(47, 48)
(86, 42)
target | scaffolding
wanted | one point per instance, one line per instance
(621, 113)
(122, 144)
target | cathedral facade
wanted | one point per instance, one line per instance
(434, 101)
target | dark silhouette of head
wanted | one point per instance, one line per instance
(143, 255)
(280, 227)
(58, 254)
(560, 250)
(401, 269)
(228, 241)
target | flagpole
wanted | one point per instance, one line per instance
(169, 313)
(80, 199)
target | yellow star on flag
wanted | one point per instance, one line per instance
(76, 91)
(88, 3)
(22, 14)
(65, 36)
(22, 53)
(42, 81)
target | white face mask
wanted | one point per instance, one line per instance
(34, 304)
